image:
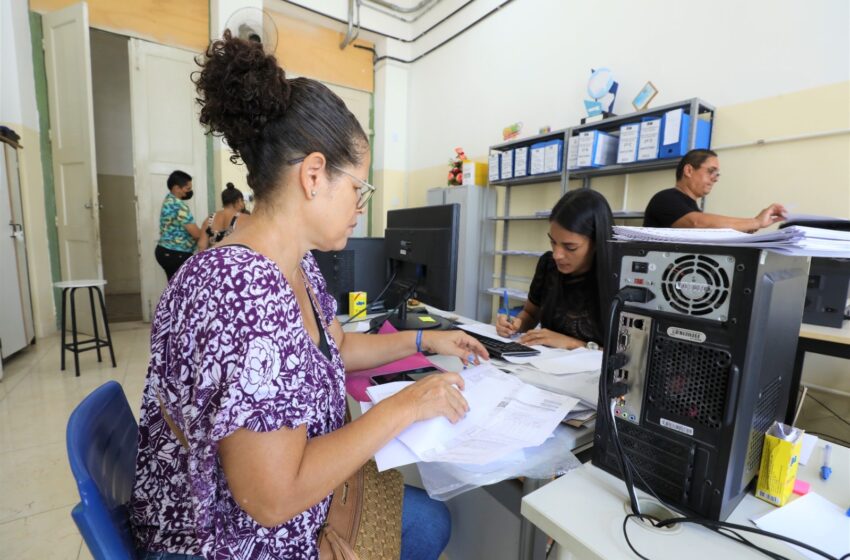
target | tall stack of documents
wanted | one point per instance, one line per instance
(793, 240)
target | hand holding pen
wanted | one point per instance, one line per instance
(506, 325)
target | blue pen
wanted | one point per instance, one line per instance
(825, 470)
(505, 304)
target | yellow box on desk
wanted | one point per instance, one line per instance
(779, 461)
(475, 173)
(357, 306)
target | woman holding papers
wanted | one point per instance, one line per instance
(696, 174)
(569, 292)
(241, 435)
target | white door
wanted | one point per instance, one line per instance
(166, 136)
(69, 93)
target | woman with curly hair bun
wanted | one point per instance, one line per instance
(241, 436)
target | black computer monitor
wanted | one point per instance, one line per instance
(421, 246)
(360, 267)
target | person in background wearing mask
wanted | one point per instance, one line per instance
(677, 207)
(178, 233)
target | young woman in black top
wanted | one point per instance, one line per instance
(570, 289)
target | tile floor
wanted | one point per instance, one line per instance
(36, 398)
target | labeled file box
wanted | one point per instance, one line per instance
(627, 151)
(494, 166)
(596, 149)
(572, 153)
(507, 165)
(521, 161)
(650, 139)
(675, 131)
(535, 167)
(553, 156)
(546, 157)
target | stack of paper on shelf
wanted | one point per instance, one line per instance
(505, 415)
(792, 240)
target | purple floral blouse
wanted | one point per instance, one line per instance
(229, 350)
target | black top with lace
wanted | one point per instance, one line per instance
(569, 303)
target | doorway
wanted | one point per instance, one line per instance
(114, 156)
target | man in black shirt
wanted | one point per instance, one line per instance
(696, 174)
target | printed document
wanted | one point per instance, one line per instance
(504, 415)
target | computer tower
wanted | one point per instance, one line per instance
(361, 267)
(826, 293)
(708, 363)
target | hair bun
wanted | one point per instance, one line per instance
(241, 89)
(230, 186)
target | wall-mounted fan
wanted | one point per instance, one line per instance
(254, 24)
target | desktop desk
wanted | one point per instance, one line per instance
(480, 530)
(819, 340)
(584, 510)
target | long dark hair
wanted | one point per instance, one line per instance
(587, 213)
(269, 120)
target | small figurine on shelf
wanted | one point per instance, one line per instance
(456, 168)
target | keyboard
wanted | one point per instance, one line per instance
(499, 349)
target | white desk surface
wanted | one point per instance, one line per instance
(829, 334)
(584, 510)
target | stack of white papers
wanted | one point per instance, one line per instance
(792, 240)
(505, 415)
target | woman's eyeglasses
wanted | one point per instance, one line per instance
(364, 189)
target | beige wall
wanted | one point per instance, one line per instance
(181, 24)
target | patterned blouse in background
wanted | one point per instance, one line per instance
(174, 216)
(229, 350)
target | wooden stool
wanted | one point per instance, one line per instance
(96, 343)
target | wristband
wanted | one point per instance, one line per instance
(419, 340)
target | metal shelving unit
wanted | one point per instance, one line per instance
(695, 107)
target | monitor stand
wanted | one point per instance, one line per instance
(404, 321)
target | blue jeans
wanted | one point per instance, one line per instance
(426, 526)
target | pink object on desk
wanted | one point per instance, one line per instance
(356, 382)
(801, 487)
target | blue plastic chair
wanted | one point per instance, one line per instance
(102, 444)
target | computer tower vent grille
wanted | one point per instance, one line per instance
(695, 285)
(764, 416)
(689, 380)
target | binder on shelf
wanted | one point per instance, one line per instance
(650, 139)
(535, 167)
(627, 151)
(596, 149)
(572, 153)
(521, 161)
(553, 156)
(494, 166)
(507, 158)
(675, 131)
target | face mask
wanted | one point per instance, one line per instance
(188, 195)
